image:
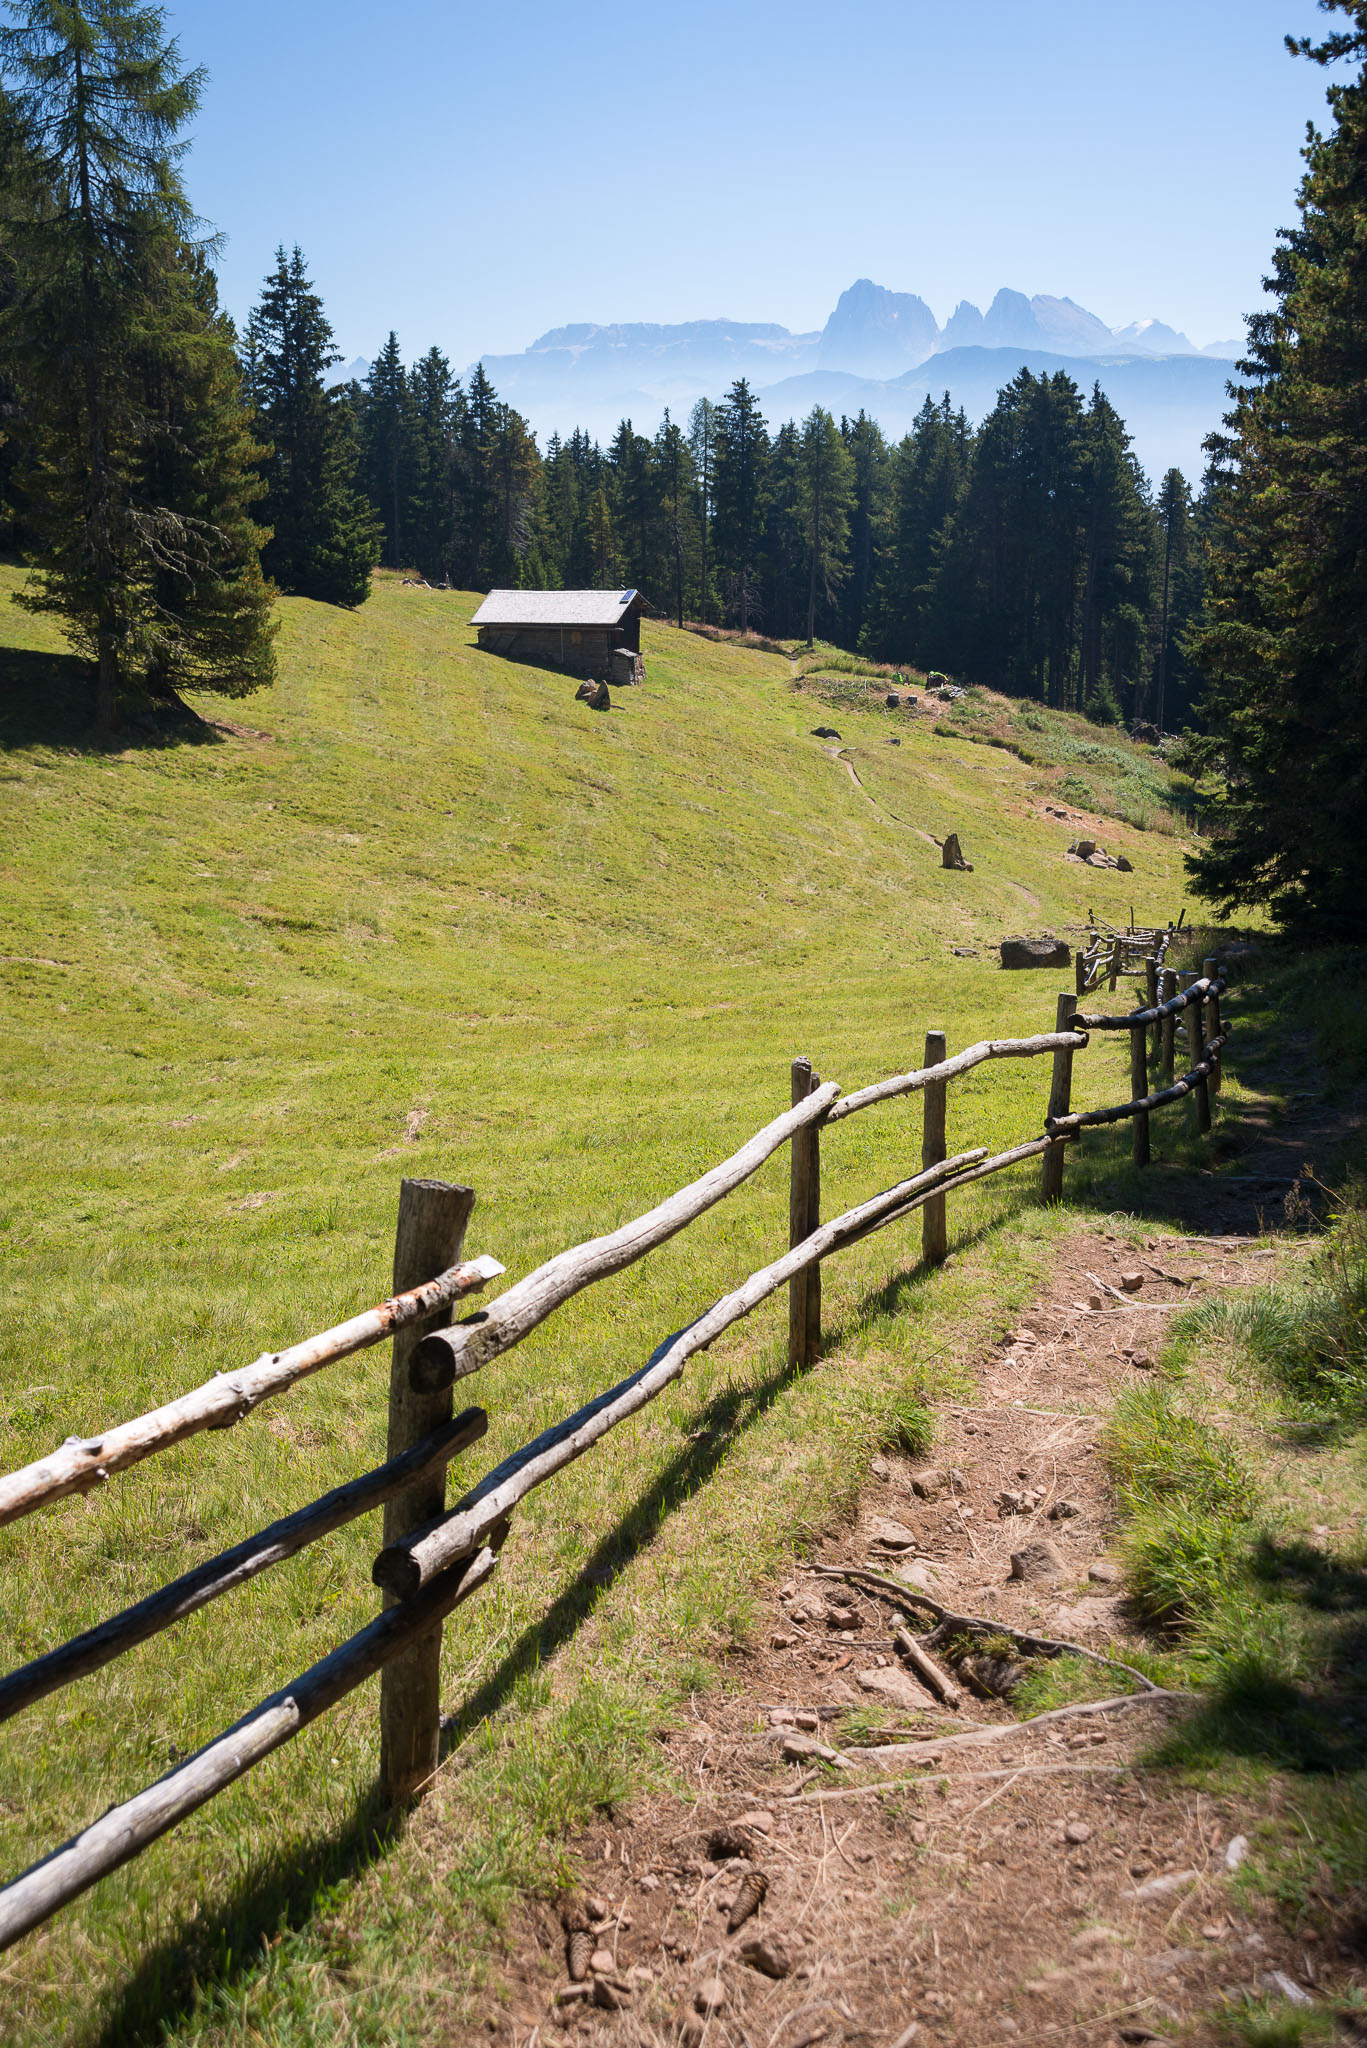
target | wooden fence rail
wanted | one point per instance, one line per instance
(432, 1558)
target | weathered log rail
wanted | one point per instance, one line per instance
(433, 1558)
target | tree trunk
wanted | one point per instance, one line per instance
(106, 625)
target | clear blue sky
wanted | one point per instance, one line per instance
(472, 175)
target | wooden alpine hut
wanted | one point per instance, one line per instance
(589, 632)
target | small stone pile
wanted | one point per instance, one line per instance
(1096, 857)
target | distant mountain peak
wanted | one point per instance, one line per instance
(876, 332)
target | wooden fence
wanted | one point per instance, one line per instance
(1108, 953)
(433, 1558)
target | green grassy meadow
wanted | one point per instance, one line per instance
(419, 912)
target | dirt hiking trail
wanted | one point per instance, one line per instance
(1036, 1882)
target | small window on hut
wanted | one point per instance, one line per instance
(575, 638)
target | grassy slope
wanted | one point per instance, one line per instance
(571, 955)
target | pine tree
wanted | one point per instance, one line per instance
(123, 364)
(826, 481)
(702, 446)
(675, 491)
(742, 448)
(869, 510)
(389, 435)
(929, 473)
(1285, 652)
(324, 542)
(436, 399)
(1115, 556)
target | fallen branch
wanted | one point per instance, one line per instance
(927, 1670)
(976, 1738)
(882, 1786)
(979, 1624)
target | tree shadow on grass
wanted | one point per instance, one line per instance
(48, 700)
(222, 1947)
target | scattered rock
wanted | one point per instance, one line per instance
(710, 1996)
(844, 1618)
(1236, 1851)
(1077, 1831)
(1064, 1511)
(880, 1468)
(1161, 1887)
(1125, 866)
(1083, 848)
(930, 1482)
(891, 1535)
(758, 1821)
(893, 1685)
(951, 855)
(1017, 1503)
(1277, 1980)
(602, 1962)
(595, 695)
(1044, 951)
(596, 1907)
(783, 1639)
(1094, 1301)
(1037, 1561)
(919, 1573)
(824, 732)
(768, 1956)
(964, 952)
(894, 743)
(1131, 1282)
(1142, 1361)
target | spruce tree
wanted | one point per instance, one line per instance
(324, 541)
(1285, 650)
(742, 448)
(436, 398)
(826, 485)
(389, 440)
(123, 365)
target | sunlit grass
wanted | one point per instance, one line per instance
(443, 920)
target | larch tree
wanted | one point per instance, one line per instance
(1285, 649)
(123, 365)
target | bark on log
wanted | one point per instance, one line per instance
(83, 1463)
(945, 1070)
(422, 1555)
(1060, 1095)
(232, 1568)
(1167, 1011)
(1139, 1083)
(432, 1219)
(934, 1223)
(1080, 1119)
(448, 1353)
(1170, 1008)
(804, 1214)
(126, 1830)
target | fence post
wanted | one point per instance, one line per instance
(431, 1230)
(1151, 993)
(1167, 989)
(1060, 1101)
(1211, 970)
(1196, 1052)
(1117, 951)
(1139, 1086)
(935, 1096)
(1080, 971)
(804, 1214)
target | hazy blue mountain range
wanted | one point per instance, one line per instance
(880, 350)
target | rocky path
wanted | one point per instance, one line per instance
(1035, 1885)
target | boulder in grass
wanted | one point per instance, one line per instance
(595, 695)
(951, 855)
(1044, 951)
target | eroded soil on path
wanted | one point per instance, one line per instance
(1049, 1885)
